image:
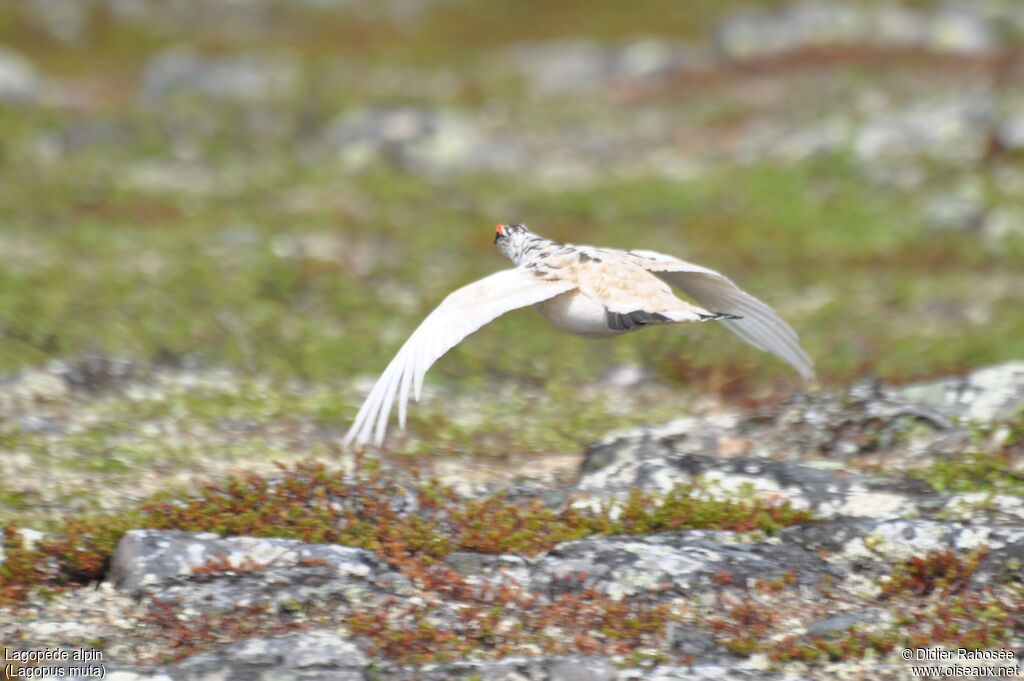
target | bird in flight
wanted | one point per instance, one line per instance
(589, 292)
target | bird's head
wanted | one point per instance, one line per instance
(512, 240)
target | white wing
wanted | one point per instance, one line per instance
(460, 314)
(760, 326)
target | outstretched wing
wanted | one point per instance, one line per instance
(460, 314)
(759, 326)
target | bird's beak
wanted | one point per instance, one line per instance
(499, 232)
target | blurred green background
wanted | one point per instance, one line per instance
(280, 192)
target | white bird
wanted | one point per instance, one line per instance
(589, 292)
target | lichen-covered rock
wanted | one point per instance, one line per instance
(866, 551)
(487, 572)
(984, 395)
(303, 656)
(1002, 564)
(430, 141)
(670, 563)
(697, 645)
(702, 672)
(868, 418)
(146, 556)
(19, 80)
(752, 34)
(575, 66)
(825, 490)
(206, 572)
(95, 372)
(181, 71)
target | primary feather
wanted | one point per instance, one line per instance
(460, 314)
(759, 325)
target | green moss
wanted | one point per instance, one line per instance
(850, 645)
(12, 501)
(973, 472)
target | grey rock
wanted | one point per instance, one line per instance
(163, 564)
(576, 66)
(866, 419)
(831, 536)
(1003, 222)
(730, 453)
(79, 135)
(64, 20)
(31, 386)
(1004, 564)
(696, 644)
(114, 673)
(960, 29)
(19, 80)
(96, 372)
(548, 668)
(988, 394)
(867, 548)
(953, 212)
(247, 78)
(826, 491)
(983, 506)
(39, 423)
(417, 139)
(753, 34)
(562, 66)
(683, 436)
(895, 25)
(953, 128)
(1010, 132)
(840, 624)
(702, 672)
(581, 669)
(277, 588)
(305, 656)
(748, 34)
(626, 376)
(675, 562)
(489, 571)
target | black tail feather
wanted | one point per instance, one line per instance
(715, 315)
(619, 321)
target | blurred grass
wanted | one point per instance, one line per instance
(186, 230)
(446, 32)
(148, 275)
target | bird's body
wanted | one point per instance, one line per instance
(577, 313)
(588, 292)
(612, 295)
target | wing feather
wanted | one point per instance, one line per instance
(760, 325)
(460, 314)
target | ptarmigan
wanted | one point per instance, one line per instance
(589, 292)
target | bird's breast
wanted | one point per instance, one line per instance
(578, 314)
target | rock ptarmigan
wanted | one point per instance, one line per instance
(589, 292)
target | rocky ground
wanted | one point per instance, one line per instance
(220, 220)
(820, 537)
